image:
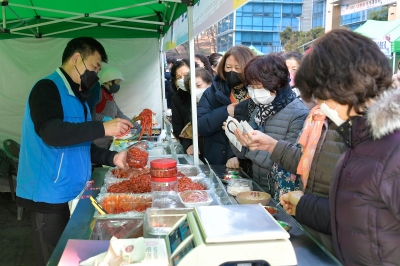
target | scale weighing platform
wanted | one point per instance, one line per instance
(231, 234)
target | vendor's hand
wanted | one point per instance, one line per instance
(189, 150)
(290, 200)
(256, 140)
(231, 109)
(120, 160)
(233, 163)
(117, 127)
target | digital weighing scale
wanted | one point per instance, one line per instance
(241, 234)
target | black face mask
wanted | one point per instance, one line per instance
(232, 78)
(114, 87)
(88, 78)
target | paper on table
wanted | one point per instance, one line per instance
(120, 252)
(72, 203)
(231, 125)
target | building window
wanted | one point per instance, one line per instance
(225, 24)
(259, 24)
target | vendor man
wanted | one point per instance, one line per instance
(56, 145)
(106, 107)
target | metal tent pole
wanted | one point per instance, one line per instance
(162, 68)
(4, 17)
(193, 85)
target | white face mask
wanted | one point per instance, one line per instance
(331, 113)
(199, 93)
(260, 96)
(180, 84)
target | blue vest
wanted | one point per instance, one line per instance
(53, 174)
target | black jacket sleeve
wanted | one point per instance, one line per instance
(314, 212)
(102, 156)
(179, 112)
(47, 116)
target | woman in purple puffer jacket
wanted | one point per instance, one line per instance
(349, 77)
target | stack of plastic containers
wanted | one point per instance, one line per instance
(164, 183)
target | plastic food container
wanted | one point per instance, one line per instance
(105, 229)
(164, 192)
(120, 203)
(163, 168)
(235, 186)
(137, 157)
(193, 198)
(272, 210)
(285, 225)
(164, 184)
(158, 222)
(190, 170)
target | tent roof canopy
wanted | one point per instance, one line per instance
(98, 19)
(380, 29)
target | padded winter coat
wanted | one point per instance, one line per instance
(365, 195)
(211, 114)
(329, 149)
(284, 125)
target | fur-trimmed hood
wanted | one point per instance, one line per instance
(384, 114)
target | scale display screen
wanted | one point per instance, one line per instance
(178, 235)
(175, 259)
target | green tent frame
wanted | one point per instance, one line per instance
(98, 19)
(101, 19)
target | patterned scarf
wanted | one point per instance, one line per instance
(309, 140)
(282, 99)
(239, 94)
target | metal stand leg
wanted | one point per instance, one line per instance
(19, 213)
(11, 181)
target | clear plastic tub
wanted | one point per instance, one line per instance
(158, 222)
(194, 198)
(121, 203)
(235, 186)
(190, 170)
(105, 229)
(164, 192)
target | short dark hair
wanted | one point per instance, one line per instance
(241, 53)
(86, 46)
(199, 72)
(346, 67)
(205, 61)
(292, 55)
(171, 60)
(270, 70)
(214, 58)
(174, 68)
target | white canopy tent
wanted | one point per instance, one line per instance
(25, 60)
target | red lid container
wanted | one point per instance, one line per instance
(163, 163)
(163, 168)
